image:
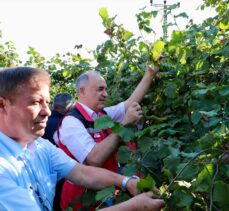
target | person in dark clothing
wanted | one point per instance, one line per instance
(62, 104)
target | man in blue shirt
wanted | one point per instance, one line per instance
(30, 166)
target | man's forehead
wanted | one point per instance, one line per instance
(34, 89)
(36, 85)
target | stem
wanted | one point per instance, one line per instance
(179, 173)
(212, 186)
(148, 169)
(213, 180)
(97, 208)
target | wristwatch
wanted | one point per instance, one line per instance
(125, 181)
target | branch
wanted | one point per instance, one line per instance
(179, 173)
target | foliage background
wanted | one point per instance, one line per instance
(183, 146)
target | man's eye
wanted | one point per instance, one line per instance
(35, 102)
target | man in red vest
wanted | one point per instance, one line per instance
(76, 135)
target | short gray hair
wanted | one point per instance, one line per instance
(83, 79)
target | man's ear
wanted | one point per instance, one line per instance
(82, 91)
(2, 104)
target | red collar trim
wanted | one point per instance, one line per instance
(83, 112)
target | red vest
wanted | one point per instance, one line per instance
(70, 191)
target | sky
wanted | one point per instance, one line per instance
(56, 26)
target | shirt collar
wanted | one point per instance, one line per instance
(13, 147)
(89, 111)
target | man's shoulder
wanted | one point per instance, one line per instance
(75, 113)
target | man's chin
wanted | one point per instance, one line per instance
(102, 104)
(39, 133)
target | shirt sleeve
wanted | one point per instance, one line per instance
(61, 163)
(76, 138)
(116, 112)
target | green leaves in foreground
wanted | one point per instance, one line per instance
(221, 193)
(104, 194)
(104, 122)
(156, 50)
(146, 184)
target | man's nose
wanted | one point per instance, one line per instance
(45, 110)
(105, 93)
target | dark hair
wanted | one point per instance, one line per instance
(63, 102)
(12, 78)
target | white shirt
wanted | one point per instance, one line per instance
(76, 138)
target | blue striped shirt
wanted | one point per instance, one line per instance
(28, 175)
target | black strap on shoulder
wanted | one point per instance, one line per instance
(76, 113)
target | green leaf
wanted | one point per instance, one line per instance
(200, 92)
(167, 132)
(196, 117)
(129, 169)
(183, 14)
(209, 113)
(103, 122)
(144, 144)
(65, 73)
(221, 193)
(105, 194)
(174, 151)
(146, 184)
(223, 26)
(122, 196)
(183, 56)
(188, 154)
(212, 122)
(171, 163)
(88, 198)
(203, 181)
(224, 91)
(163, 150)
(207, 141)
(123, 154)
(174, 6)
(104, 14)
(189, 172)
(143, 46)
(182, 197)
(127, 35)
(157, 49)
(177, 39)
(149, 159)
(127, 134)
(171, 90)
